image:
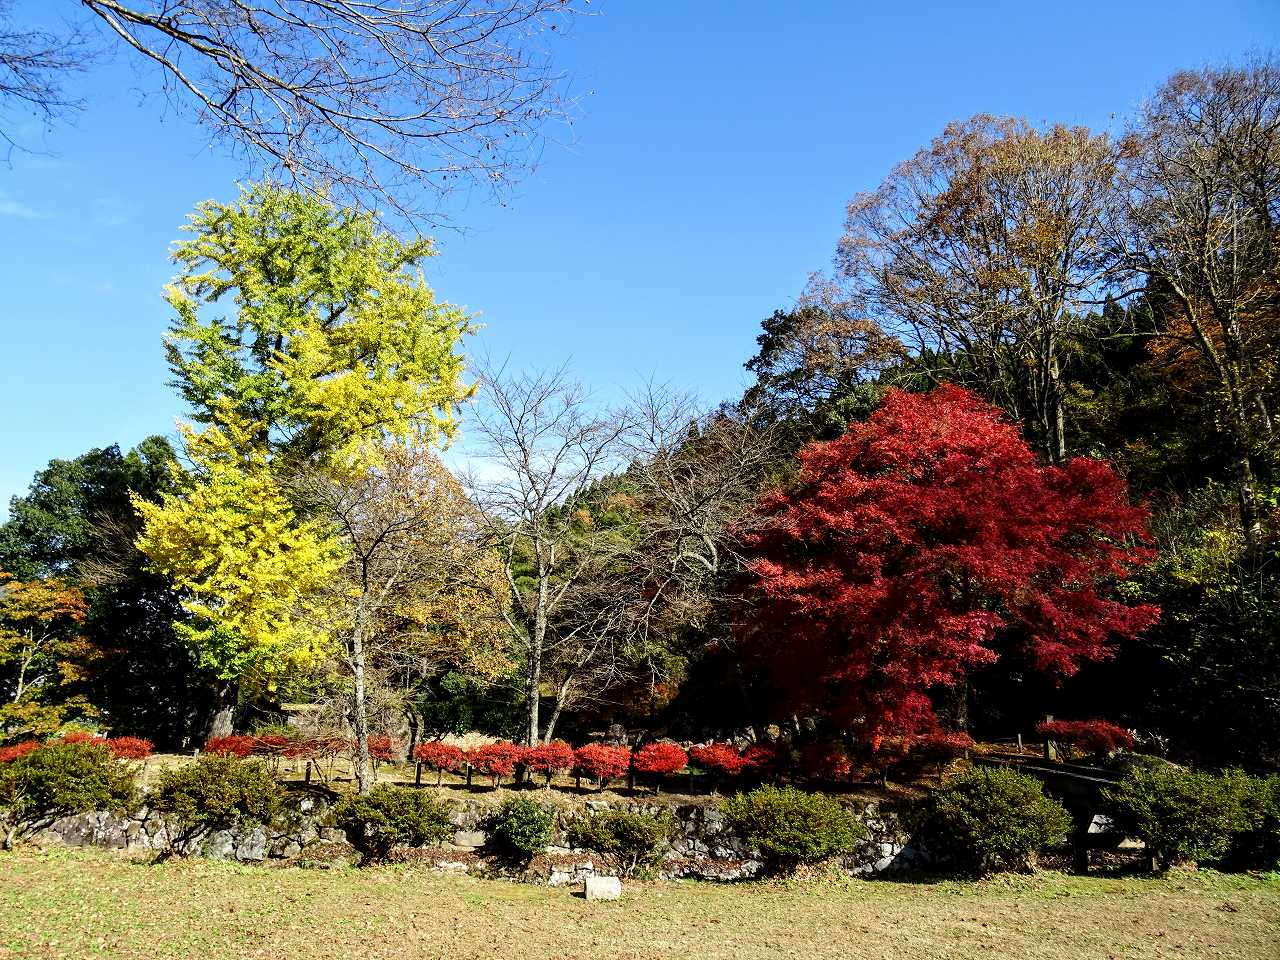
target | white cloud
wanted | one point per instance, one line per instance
(19, 210)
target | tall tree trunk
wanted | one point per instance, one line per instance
(360, 713)
(222, 718)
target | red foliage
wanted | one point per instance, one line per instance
(549, 758)
(1089, 736)
(719, 758)
(129, 748)
(435, 755)
(235, 745)
(828, 761)
(763, 758)
(916, 543)
(660, 757)
(18, 750)
(496, 759)
(382, 747)
(78, 736)
(602, 762)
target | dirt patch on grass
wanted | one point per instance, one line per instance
(80, 904)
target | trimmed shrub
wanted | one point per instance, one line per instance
(660, 758)
(523, 827)
(1086, 736)
(791, 827)
(438, 756)
(602, 762)
(60, 779)
(382, 748)
(129, 748)
(219, 791)
(992, 818)
(1255, 842)
(722, 759)
(764, 759)
(1183, 816)
(389, 817)
(635, 839)
(236, 745)
(495, 759)
(549, 758)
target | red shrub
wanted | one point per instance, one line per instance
(549, 758)
(660, 757)
(763, 758)
(829, 761)
(496, 759)
(435, 755)
(235, 745)
(78, 736)
(18, 750)
(129, 748)
(1088, 736)
(719, 758)
(382, 747)
(602, 762)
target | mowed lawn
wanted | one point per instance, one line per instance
(74, 903)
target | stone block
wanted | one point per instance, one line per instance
(603, 888)
(470, 839)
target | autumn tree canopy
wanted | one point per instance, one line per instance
(922, 545)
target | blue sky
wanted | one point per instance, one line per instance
(706, 177)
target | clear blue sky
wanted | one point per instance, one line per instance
(716, 149)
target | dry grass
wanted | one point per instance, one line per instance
(79, 903)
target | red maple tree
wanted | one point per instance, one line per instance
(920, 545)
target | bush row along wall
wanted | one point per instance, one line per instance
(702, 847)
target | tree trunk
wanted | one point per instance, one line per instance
(222, 718)
(360, 714)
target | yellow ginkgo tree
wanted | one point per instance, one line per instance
(304, 337)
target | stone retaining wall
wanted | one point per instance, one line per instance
(702, 846)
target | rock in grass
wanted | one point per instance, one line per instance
(603, 888)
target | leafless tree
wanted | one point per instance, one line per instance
(412, 546)
(986, 247)
(389, 102)
(1201, 195)
(544, 443)
(697, 475)
(32, 64)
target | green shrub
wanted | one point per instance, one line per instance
(523, 827)
(991, 818)
(389, 817)
(61, 779)
(1255, 839)
(217, 792)
(1182, 816)
(636, 839)
(791, 827)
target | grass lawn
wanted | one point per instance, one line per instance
(81, 903)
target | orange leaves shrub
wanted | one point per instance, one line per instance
(18, 750)
(718, 758)
(549, 758)
(661, 757)
(1087, 736)
(130, 748)
(602, 762)
(496, 759)
(435, 755)
(235, 745)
